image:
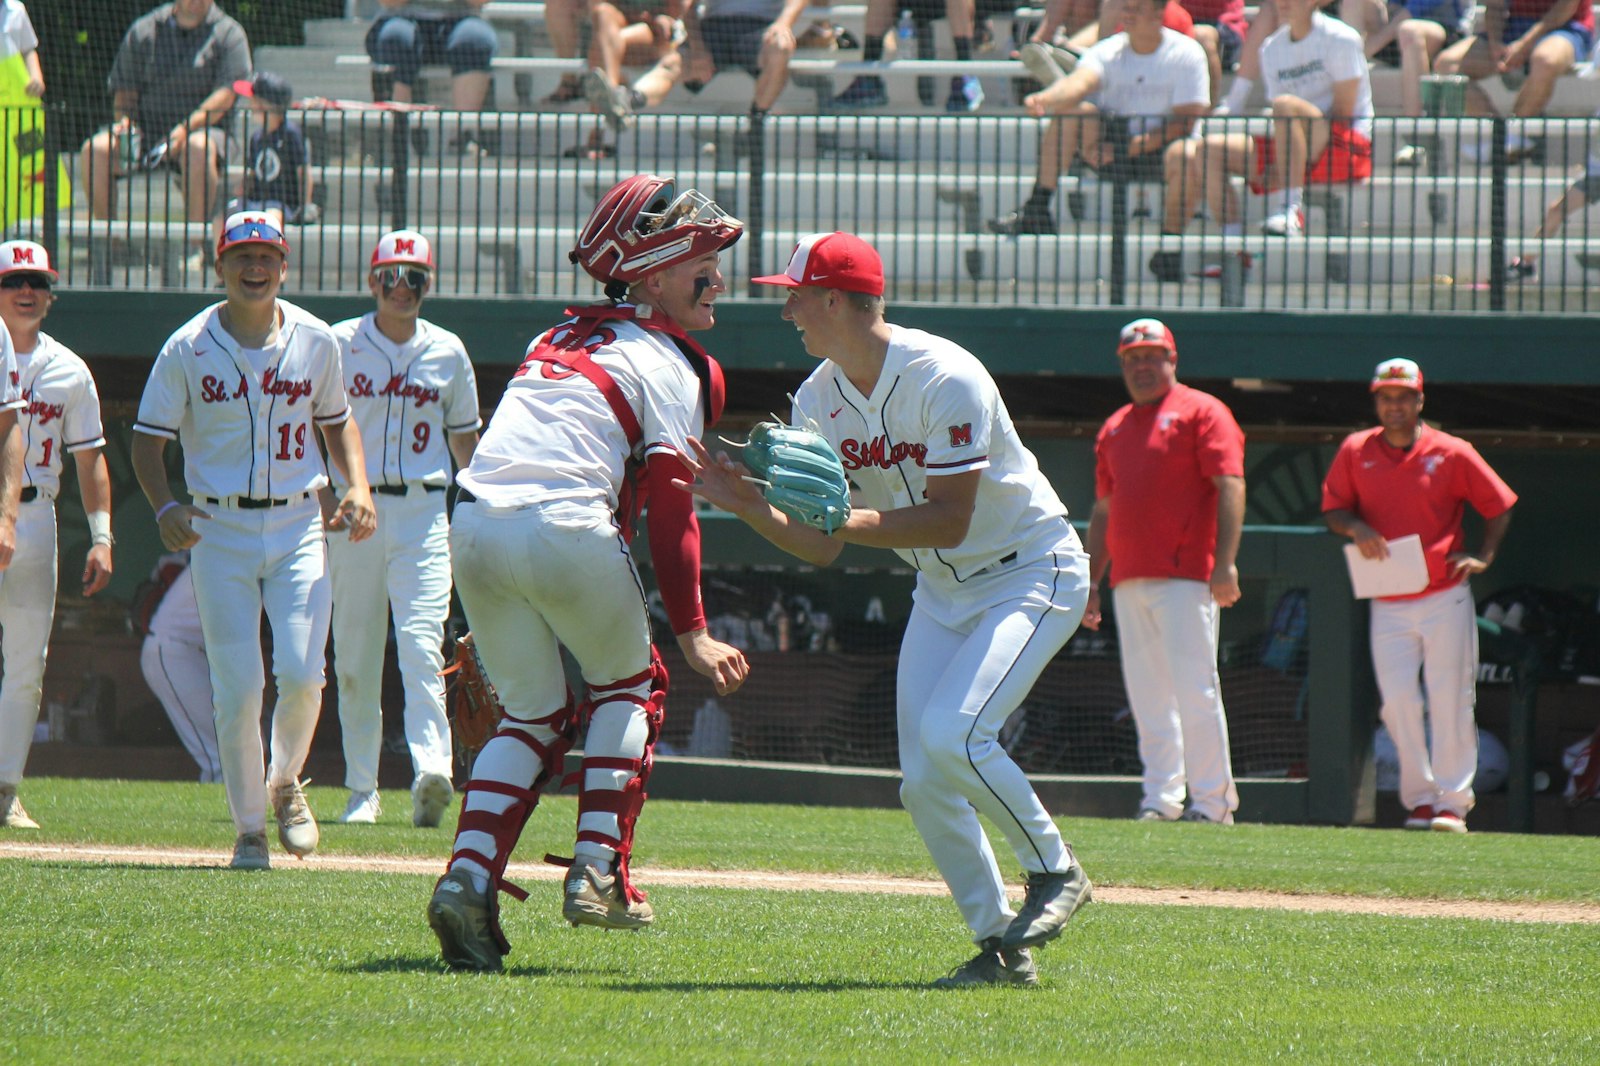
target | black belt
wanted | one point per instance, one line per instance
(250, 503)
(401, 490)
(30, 494)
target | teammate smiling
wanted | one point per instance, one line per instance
(240, 385)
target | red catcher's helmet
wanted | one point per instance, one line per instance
(644, 224)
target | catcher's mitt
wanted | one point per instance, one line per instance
(799, 473)
(475, 710)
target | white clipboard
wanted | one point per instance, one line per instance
(1405, 570)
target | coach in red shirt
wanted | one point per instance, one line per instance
(1396, 479)
(1169, 482)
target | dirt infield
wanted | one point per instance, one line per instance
(1553, 912)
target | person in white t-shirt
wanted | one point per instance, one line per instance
(1315, 70)
(1154, 77)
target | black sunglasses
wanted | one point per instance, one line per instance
(36, 282)
(391, 276)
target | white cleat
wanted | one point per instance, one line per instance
(297, 826)
(430, 798)
(363, 809)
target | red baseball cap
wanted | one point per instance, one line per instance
(251, 227)
(1400, 373)
(26, 257)
(833, 261)
(1146, 333)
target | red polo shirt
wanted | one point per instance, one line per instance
(1156, 463)
(1424, 491)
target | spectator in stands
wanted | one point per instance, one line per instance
(868, 90)
(17, 38)
(1141, 73)
(171, 89)
(757, 35)
(1542, 38)
(1417, 30)
(1316, 79)
(1169, 508)
(411, 33)
(277, 173)
(1525, 267)
(1218, 25)
(628, 32)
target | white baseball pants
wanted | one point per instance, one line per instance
(405, 566)
(968, 661)
(178, 674)
(272, 559)
(27, 611)
(1430, 645)
(531, 580)
(1168, 633)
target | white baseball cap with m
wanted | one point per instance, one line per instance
(26, 257)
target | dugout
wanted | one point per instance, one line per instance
(1519, 387)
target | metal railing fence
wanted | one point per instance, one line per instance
(503, 194)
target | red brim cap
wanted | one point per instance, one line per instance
(832, 261)
(1146, 333)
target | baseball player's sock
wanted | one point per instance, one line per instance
(599, 856)
(474, 870)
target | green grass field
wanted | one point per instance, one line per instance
(115, 962)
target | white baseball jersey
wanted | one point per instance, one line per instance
(936, 409)
(406, 398)
(1309, 68)
(554, 437)
(244, 415)
(60, 412)
(1144, 87)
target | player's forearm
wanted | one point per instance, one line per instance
(1344, 523)
(1230, 519)
(804, 543)
(10, 467)
(344, 448)
(1099, 553)
(94, 481)
(462, 446)
(934, 524)
(150, 468)
(1494, 531)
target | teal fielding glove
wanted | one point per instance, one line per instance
(800, 474)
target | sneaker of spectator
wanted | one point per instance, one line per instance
(1522, 268)
(617, 104)
(1026, 219)
(1518, 148)
(1048, 63)
(1290, 222)
(966, 94)
(1411, 155)
(865, 91)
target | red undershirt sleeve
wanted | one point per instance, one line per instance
(674, 541)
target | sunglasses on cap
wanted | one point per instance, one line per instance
(414, 277)
(253, 231)
(36, 282)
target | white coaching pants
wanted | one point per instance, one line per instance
(968, 660)
(272, 559)
(1430, 644)
(405, 566)
(27, 611)
(180, 677)
(1167, 629)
